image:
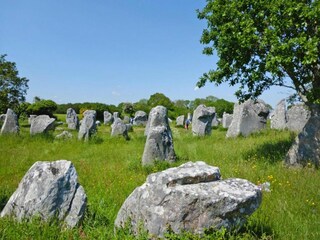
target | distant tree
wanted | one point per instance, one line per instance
(12, 87)
(127, 108)
(42, 107)
(141, 105)
(160, 99)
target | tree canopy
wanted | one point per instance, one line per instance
(262, 44)
(12, 87)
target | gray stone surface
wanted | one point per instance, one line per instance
(215, 121)
(49, 189)
(180, 121)
(64, 135)
(159, 143)
(297, 117)
(2, 117)
(140, 118)
(202, 120)
(126, 119)
(226, 119)
(115, 115)
(118, 128)
(248, 117)
(31, 118)
(189, 198)
(279, 116)
(10, 124)
(41, 124)
(306, 148)
(107, 117)
(88, 125)
(72, 119)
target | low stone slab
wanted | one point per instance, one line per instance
(41, 124)
(49, 189)
(191, 197)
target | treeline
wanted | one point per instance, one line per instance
(175, 108)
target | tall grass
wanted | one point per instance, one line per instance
(110, 169)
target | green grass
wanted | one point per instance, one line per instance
(110, 169)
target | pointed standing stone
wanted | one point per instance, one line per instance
(11, 124)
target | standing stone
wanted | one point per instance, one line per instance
(189, 117)
(49, 189)
(202, 119)
(119, 128)
(126, 119)
(279, 116)
(107, 117)
(2, 117)
(72, 119)
(88, 125)
(41, 124)
(11, 124)
(192, 198)
(159, 143)
(140, 118)
(180, 120)
(248, 117)
(306, 148)
(115, 115)
(215, 121)
(297, 117)
(31, 118)
(226, 119)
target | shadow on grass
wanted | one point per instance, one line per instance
(271, 152)
(3, 200)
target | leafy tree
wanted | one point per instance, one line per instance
(160, 99)
(42, 106)
(265, 43)
(12, 87)
(262, 44)
(142, 105)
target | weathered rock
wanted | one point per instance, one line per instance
(279, 116)
(72, 119)
(189, 198)
(226, 119)
(140, 118)
(215, 122)
(202, 119)
(2, 117)
(49, 189)
(31, 118)
(88, 125)
(126, 119)
(107, 117)
(115, 115)
(98, 123)
(180, 120)
(41, 124)
(306, 148)
(10, 124)
(159, 143)
(248, 117)
(64, 135)
(118, 128)
(297, 117)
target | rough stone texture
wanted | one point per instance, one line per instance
(107, 117)
(64, 135)
(2, 117)
(190, 198)
(306, 148)
(126, 119)
(140, 118)
(279, 116)
(41, 124)
(10, 124)
(98, 123)
(202, 120)
(115, 115)
(215, 121)
(118, 128)
(248, 117)
(180, 120)
(88, 125)
(31, 118)
(72, 119)
(226, 119)
(159, 143)
(297, 117)
(49, 189)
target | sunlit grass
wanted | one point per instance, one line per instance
(110, 169)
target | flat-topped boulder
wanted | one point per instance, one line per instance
(248, 117)
(202, 120)
(48, 190)
(10, 124)
(41, 124)
(191, 197)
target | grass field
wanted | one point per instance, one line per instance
(110, 169)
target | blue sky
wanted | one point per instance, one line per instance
(110, 51)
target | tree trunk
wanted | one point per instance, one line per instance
(306, 148)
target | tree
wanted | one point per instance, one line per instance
(42, 107)
(12, 87)
(262, 44)
(160, 99)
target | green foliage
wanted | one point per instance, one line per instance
(42, 106)
(262, 44)
(160, 99)
(12, 87)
